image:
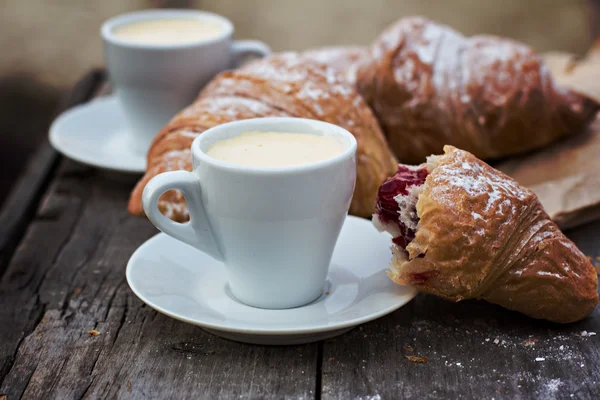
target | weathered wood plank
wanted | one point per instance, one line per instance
(475, 350)
(68, 276)
(20, 206)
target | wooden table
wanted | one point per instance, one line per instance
(65, 238)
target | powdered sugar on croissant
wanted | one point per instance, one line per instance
(475, 233)
(429, 85)
(345, 59)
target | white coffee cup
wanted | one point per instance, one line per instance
(274, 228)
(154, 81)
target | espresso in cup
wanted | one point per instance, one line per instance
(169, 31)
(276, 149)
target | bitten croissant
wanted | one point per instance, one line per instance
(286, 85)
(464, 230)
(429, 86)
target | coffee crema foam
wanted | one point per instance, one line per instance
(169, 31)
(276, 149)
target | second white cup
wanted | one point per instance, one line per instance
(154, 81)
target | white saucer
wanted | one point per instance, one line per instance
(188, 285)
(95, 133)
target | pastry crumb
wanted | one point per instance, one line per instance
(408, 348)
(93, 332)
(586, 334)
(418, 360)
(530, 341)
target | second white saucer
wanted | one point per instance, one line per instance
(95, 133)
(188, 285)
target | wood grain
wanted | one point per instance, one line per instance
(68, 277)
(19, 207)
(474, 350)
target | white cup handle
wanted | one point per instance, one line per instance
(196, 232)
(241, 49)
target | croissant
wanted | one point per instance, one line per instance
(429, 85)
(463, 230)
(288, 85)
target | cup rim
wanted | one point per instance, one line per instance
(257, 124)
(106, 30)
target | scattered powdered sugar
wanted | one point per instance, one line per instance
(505, 203)
(374, 397)
(518, 272)
(497, 51)
(313, 83)
(502, 56)
(546, 273)
(188, 133)
(474, 180)
(318, 108)
(227, 82)
(177, 159)
(312, 92)
(176, 209)
(480, 347)
(570, 245)
(445, 78)
(552, 386)
(426, 48)
(494, 195)
(232, 105)
(290, 67)
(407, 73)
(285, 69)
(331, 76)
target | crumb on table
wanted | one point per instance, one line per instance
(416, 359)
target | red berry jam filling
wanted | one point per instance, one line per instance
(388, 208)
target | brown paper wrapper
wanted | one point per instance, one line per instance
(566, 175)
